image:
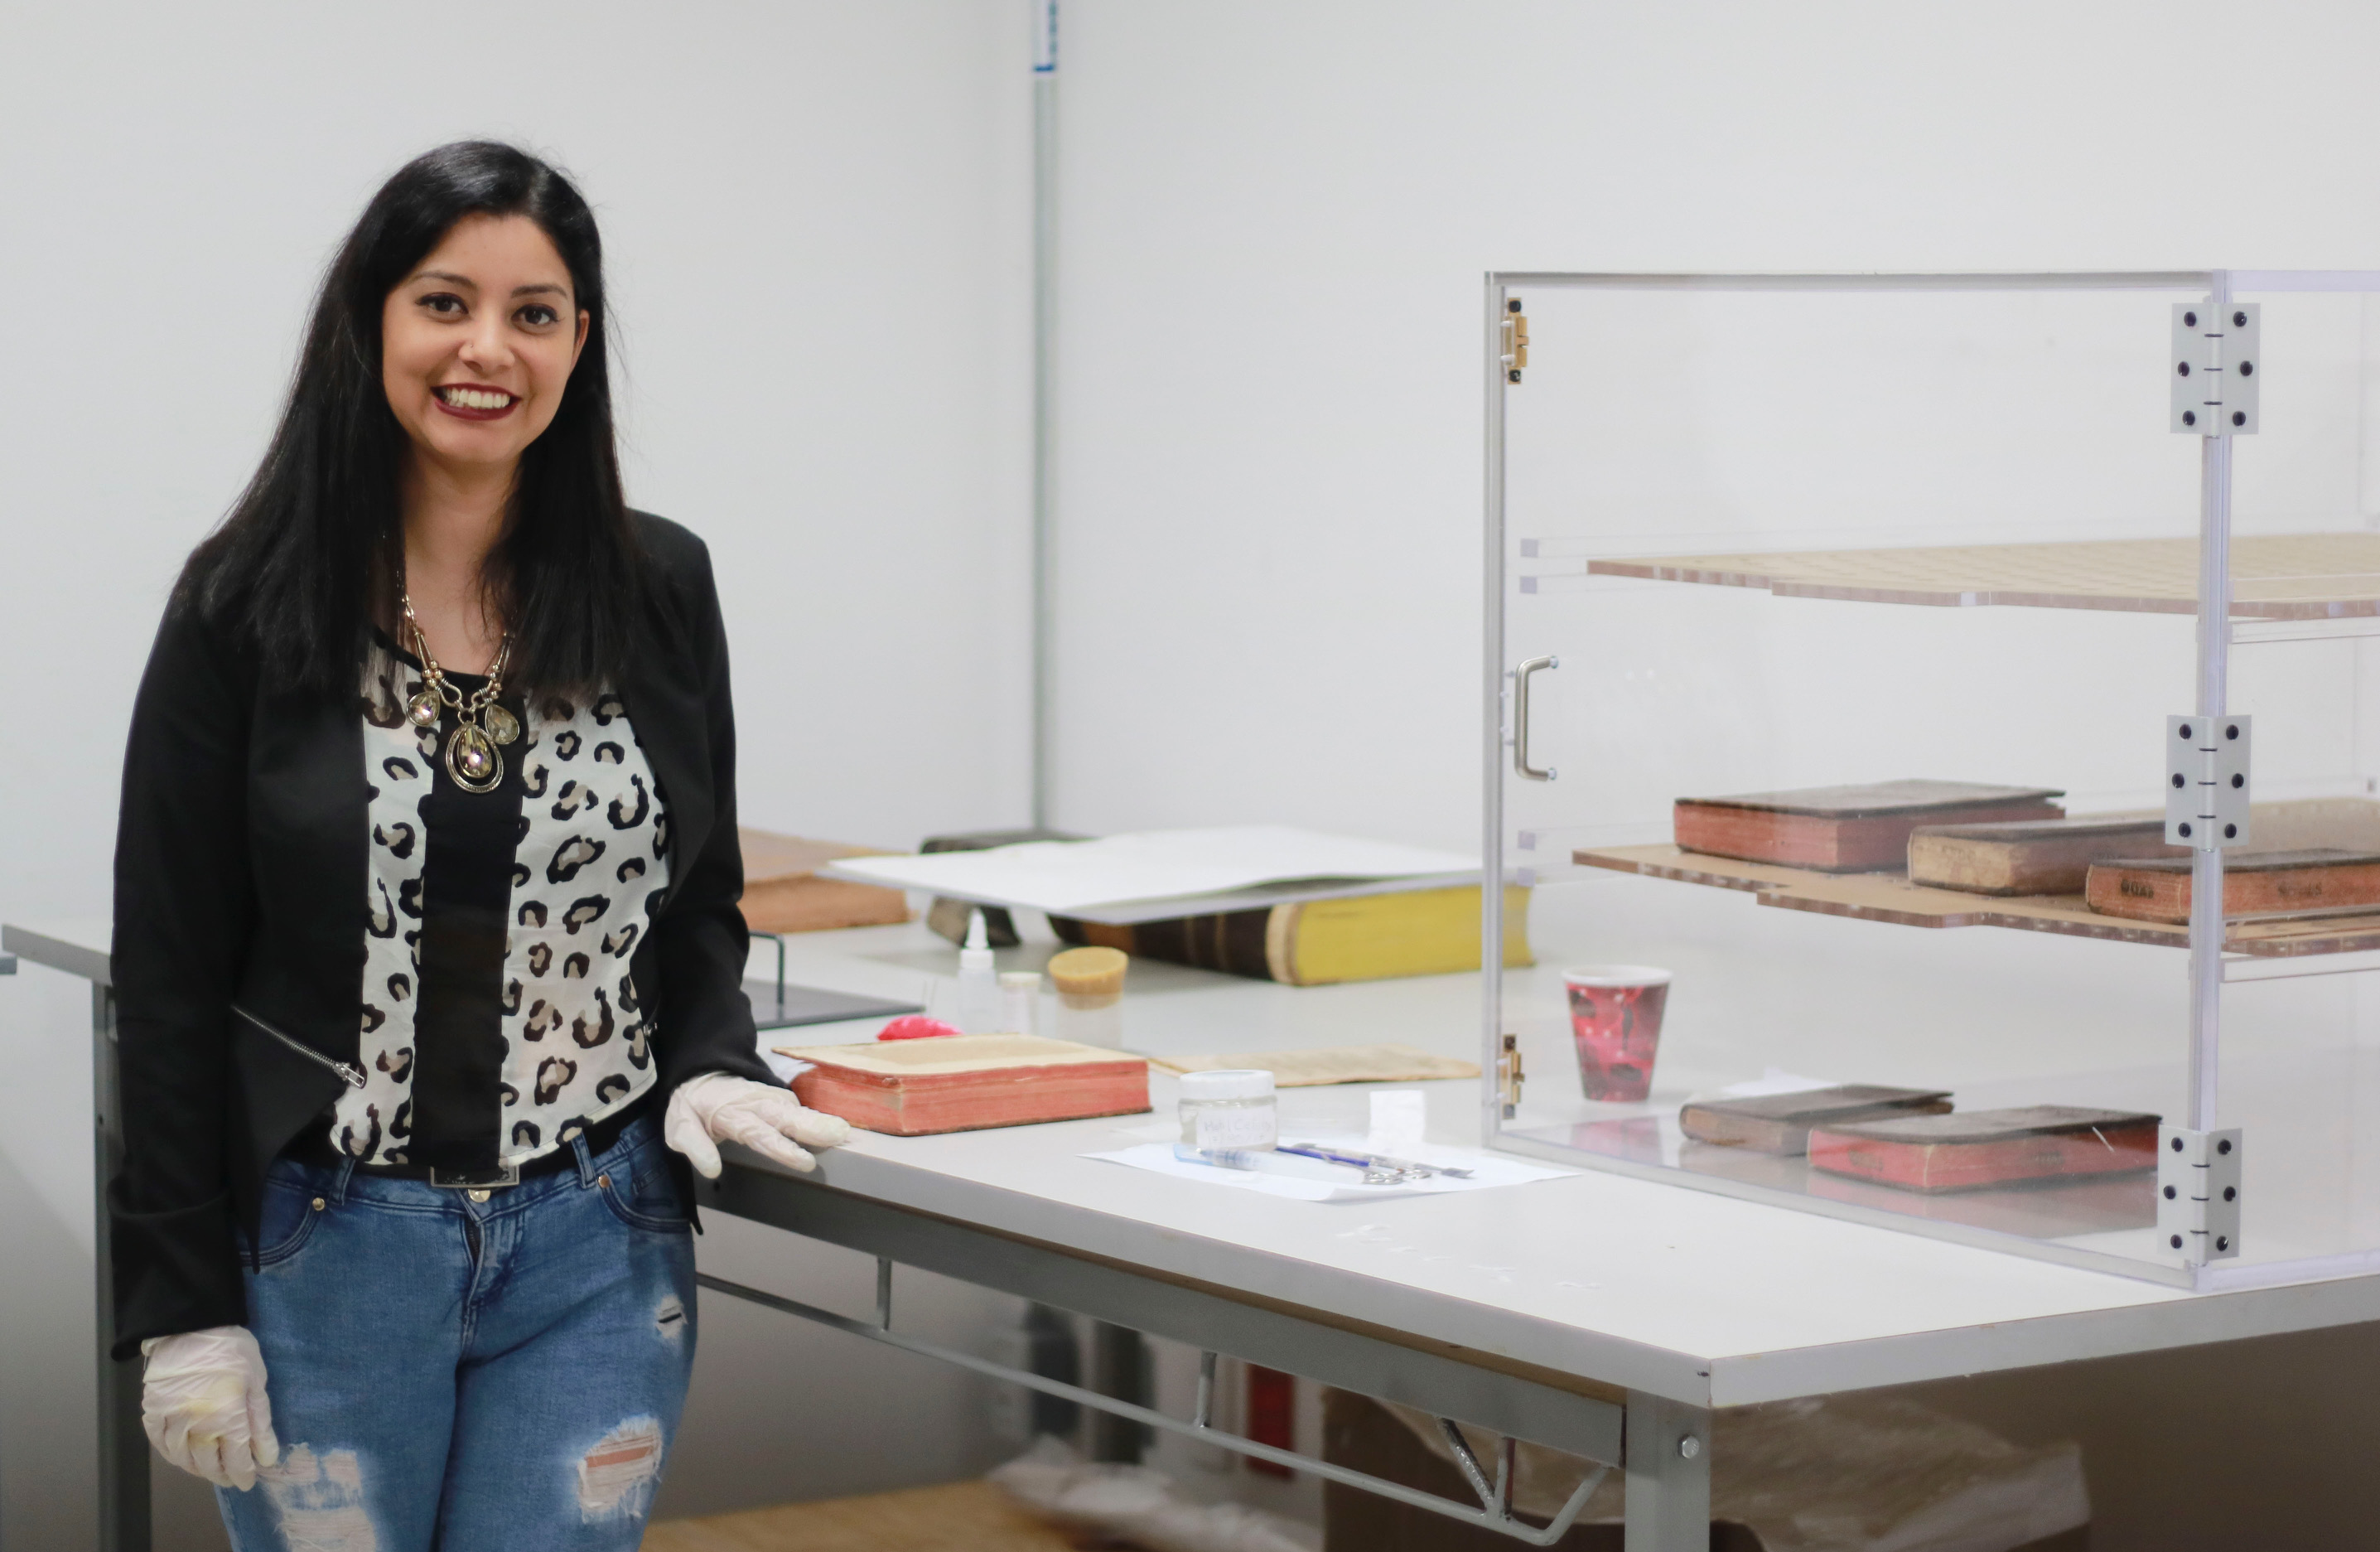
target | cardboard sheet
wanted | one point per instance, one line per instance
(1330, 1064)
(1156, 874)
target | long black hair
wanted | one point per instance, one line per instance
(317, 532)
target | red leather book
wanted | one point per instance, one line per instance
(965, 1082)
(1848, 829)
(1972, 1149)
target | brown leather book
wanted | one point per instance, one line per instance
(783, 893)
(2052, 858)
(1848, 829)
(1974, 1149)
(2254, 883)
(1780, 1123)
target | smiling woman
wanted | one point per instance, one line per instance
(428, 964)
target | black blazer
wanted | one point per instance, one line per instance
(241, 877)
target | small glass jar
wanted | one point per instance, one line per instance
(1235, 1107)
(1020, 1001)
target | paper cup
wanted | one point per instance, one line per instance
(1615, 1021)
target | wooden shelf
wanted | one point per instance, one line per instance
(2302, 576)
(1890, 897)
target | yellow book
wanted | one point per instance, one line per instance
(1313, 943)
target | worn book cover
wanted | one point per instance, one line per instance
(1780, 1123)
(1313, 943)
(1972, 1149)
(2029, 858)
(1848, 829)
(965, 1082)
(2254, 883)
(783, 893)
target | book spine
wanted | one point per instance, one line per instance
(1233, 942)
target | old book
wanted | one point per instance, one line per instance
(1848, 829)
(1329, 1064)
(1313, 943)
(2044, 858)
(1968, 1150)
(1780, 1123)
(783, 893)
(2254, 883)
(965, 1083)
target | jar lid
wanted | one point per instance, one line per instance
(1228, 1082)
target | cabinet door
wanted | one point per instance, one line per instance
(1692, 481)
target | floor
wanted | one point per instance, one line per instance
(955, 1517)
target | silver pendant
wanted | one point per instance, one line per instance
(502, 725)
(422, 710)
(472, 760)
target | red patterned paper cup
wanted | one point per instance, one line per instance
(1615, 1019)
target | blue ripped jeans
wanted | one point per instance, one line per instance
(462, 1374)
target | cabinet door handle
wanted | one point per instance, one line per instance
(1521, 717)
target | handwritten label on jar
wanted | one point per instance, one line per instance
(1237, 1126)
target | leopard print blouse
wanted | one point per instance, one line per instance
(499, 1014)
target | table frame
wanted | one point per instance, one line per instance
(1662, 1445)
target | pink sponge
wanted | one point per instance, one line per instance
(915, 1026)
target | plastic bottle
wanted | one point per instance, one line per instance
(978, 982)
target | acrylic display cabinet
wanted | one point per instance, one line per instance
(1759, 533)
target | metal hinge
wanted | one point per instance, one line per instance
(2216, 366)
(2198, 1193)
(2206, 788)
(1509, 1077)
(1516, 339)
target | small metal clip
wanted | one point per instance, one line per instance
(1516, 339)
(1509, 1077)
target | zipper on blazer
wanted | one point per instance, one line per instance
(353, 1075)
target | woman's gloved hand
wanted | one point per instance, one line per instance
(203, 1405)
(721, 1107)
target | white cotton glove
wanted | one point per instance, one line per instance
(203, 1405)
(721, 1107)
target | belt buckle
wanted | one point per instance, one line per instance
(505, 1173)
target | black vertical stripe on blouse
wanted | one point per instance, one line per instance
(466, 883)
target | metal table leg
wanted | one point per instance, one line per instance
(1669, 1475)
(122, 1448)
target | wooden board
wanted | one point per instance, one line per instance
(955, 1517)
(965, 1083)
(2302, 576)
(1884, 897)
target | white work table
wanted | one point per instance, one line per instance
(1653, 1296)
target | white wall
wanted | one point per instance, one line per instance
(1275, 217)
(817, 218)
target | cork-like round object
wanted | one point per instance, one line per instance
(1095, 974)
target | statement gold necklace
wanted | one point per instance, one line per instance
(480, 725)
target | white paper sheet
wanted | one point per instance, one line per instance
(1488, 1171)
(1076, 877)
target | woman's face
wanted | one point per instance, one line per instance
(478, 342)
